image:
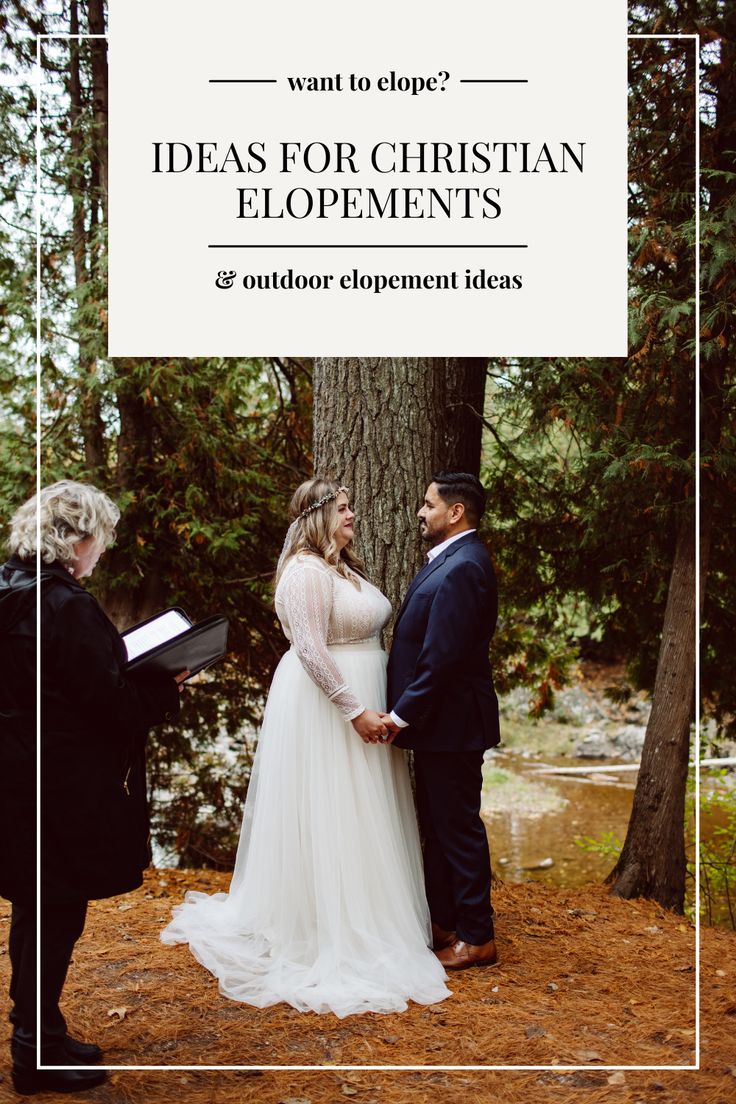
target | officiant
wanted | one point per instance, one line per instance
(94, 723)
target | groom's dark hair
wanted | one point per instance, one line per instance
(462, 487)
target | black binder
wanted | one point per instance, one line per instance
(192, 650)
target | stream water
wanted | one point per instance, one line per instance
(533, 820)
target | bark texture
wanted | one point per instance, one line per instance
(93, 433)
(383, 426)
(98, 50)
(134, 471)
(715, 369)
(653, 862)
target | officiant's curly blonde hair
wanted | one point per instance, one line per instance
(314, 522)
(68, 512)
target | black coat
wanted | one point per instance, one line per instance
(439, 673)
(94, 722)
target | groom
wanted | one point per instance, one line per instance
(443, 707)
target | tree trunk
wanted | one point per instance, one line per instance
(140, 596)
(98, 50)
(715, 367)
(465, 385)
(135, 438)
(383, 426)
(90, 410)
(652, 862)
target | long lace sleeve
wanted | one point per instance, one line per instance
(306, 594)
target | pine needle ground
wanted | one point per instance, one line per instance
(584, 980)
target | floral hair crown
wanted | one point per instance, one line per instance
(321, 502)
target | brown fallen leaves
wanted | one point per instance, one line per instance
(584, 980)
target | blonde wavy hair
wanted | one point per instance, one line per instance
(69, 512)
(315, 532)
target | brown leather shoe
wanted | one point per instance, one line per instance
(463, 955)
(442, 938)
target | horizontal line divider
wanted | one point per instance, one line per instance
(271, 245)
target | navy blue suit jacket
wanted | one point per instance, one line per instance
(439, 673)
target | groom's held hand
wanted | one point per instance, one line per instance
(392, 729)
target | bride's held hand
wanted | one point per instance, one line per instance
(370, 727)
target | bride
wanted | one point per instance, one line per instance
(326, 908)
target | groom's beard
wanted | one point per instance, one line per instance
(433, 537)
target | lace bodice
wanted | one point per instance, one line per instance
(317, 608)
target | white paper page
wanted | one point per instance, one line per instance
(161, 629)
(329, 210)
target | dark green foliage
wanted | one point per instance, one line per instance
(214, 449)
(590, 463)
(592, 466)
(715, 22)
(201, 455)
(717, 867)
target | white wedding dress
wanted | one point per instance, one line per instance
(326, 908)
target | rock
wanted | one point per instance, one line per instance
(574, 705)
(594, 746)
(630, 740)
(615, 742)
(543, 864)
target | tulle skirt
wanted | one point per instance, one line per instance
(326, 908)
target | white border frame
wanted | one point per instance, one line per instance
(559, 1068)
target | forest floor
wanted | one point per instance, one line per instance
(584, 980)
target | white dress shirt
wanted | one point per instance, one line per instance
(431, 555)
(434, 552)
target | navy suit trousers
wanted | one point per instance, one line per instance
(457, 864)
